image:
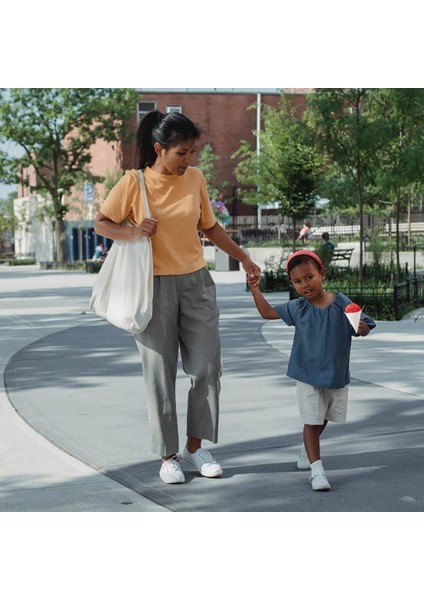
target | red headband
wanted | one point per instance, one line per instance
(304, 253)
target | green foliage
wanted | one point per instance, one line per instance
(17, 262)
(375, 296)
(110, 180)
(206, 164)
(377, 247)
(286, 169)
(7, 217)
(344, 127)
(8, 222)
(55, 129)
(373, 141)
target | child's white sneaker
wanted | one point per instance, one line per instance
(318, 478)
(319, 482)
(303, 460)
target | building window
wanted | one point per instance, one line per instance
(173, 108)
(144, 108)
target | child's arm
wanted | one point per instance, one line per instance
(264, 308)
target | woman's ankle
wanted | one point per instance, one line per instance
(193, 444)
(165, 458)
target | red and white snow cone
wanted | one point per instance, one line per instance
(353, 312)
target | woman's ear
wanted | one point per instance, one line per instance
(158, 148)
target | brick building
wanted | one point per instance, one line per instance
(226, 115)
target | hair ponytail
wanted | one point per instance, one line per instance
(145, 152)
(168, 130)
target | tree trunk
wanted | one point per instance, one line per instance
(59, 254)
(294, 233)
(398, 273)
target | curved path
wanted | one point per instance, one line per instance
(77, 383)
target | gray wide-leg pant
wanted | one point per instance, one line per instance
(185, 317)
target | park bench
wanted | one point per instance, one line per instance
(342, 254)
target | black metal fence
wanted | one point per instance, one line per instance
(390, 304)
(408, 296)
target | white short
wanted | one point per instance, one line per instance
(318, 405)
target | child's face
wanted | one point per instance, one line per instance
(307, 280)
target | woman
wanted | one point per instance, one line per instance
(185, 314)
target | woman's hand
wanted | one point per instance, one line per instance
(250, 267)
(117, 231)
(147, 228)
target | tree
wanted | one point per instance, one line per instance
(7, 219)
(55, 128)
(350, 136)
(401, 159)
(206, 164)
(286, 169)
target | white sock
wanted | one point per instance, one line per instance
(317, 467)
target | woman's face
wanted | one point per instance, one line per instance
(174, 160)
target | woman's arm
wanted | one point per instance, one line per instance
(115, 231)
(218, 236)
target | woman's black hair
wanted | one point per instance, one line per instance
(171, 129)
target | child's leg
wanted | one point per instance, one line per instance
(311, 435)
(303, 459)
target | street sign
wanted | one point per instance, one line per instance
(88, 192)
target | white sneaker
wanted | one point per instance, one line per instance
(170, 471)
(303, 460)
(319, 482)
(203, 461)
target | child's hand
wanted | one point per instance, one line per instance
(253, 280)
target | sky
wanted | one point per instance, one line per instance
(5, 190)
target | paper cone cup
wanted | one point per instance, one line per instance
(354, 318)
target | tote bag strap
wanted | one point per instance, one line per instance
(143, 193)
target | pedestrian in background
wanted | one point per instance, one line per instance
(326, 244)
(326, 250)
(185, 313)
(304, 232)
(283, 231)
(319, 359)
(100, 252)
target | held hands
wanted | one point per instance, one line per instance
(252, 270)
(253, 280)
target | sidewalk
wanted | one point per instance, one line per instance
(73, 424)
(35, 475)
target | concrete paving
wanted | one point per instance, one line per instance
(74, 430)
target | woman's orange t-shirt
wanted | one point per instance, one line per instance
(181, 205)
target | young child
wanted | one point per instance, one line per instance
(319, 359)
